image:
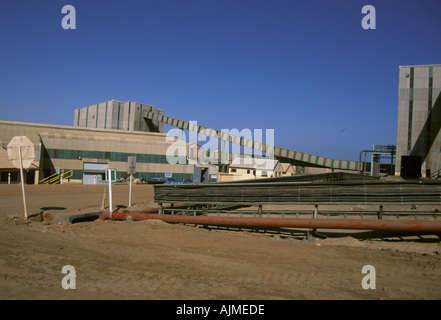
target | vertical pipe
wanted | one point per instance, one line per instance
(130, 192)
(104, 199)
(110, 191)
(316, 211)
(364, 169)
(380, 213)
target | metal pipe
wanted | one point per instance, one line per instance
(123, 215)
(390, 225)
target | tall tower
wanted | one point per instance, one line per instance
(419, 118)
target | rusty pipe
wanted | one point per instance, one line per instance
(389, 225)
(135, 214)
(123, 215)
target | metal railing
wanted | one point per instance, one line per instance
(56, 177)
(436, 174)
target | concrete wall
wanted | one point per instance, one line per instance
(419, 114)
(117, 115)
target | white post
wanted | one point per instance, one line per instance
(22, 184)
(9, 178)
(130, 191)
(103, 204)
(110, 192)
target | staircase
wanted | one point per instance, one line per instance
(56, 177)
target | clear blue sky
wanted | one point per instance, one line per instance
(306, 69)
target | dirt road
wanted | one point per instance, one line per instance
(155, 260)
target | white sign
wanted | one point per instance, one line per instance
(21, 144)
(168, 174)
(131, 165)
(111, 175)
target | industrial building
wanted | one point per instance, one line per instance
(419, 121)
(84, 154)
(118, 115)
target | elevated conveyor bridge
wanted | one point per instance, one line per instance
(282, 154)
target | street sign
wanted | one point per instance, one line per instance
(21, 153)
(111, 175)
(131, 165)
(131, 169)
(21, 144)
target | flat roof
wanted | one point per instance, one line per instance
(422, 65)
(79, 129)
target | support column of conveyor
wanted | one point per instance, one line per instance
(306, 158)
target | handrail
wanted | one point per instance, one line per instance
(56, 177)
(68, 174)
(48, 178)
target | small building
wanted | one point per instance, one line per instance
(287, 170)
(254, 168)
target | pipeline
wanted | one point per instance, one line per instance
(136, 214)
(125, 214)
(387, 225)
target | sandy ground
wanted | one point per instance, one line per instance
(155, 260)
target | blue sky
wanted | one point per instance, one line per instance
(306, 69)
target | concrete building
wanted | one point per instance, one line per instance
(419, 120)
(88, 152)
(252, 168)
(118, 115)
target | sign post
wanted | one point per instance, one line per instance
(21, 153)
(131, 169)
(111, 177)
(22, 183)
